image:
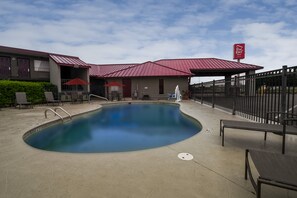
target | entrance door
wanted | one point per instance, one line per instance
(24, 67)
(127, 87)
(4, 67)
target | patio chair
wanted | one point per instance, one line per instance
(21, 100)
(80, 96)
(65, 97)
(171, 96)
(76, 97)
(274, 127)
(115, 96)
(273, 169)
(49, 97)
(145, 97)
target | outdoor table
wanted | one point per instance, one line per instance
(274, 169)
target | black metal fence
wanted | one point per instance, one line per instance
(252, 96)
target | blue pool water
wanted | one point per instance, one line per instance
(117, 128)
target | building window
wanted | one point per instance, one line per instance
(161, 86)
(41, 66)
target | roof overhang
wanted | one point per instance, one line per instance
(74, 65)
(13, 50)
(209, 66)
(69, 61)
(214, 72)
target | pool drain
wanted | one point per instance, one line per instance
(185, 156)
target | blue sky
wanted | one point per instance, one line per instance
(131, 31)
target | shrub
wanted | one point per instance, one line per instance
(34, 91)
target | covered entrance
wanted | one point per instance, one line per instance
(66, 68)
(97, 87)
(127, 87)
(5, 67)
(23, 67)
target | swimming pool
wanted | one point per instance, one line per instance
(118, 128)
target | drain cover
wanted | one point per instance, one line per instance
(185, 156)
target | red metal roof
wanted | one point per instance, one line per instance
(71, 61)
(206, 64)
(101, 70)
(165, 67)
(60, 59)
(147, 69)
(172, 67)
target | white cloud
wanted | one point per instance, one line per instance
(102, 31)
(201, 19)
(291, 2)
(232, 3)
(274, 44)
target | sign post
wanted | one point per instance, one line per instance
(239, 51)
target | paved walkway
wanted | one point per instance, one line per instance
(215, 171)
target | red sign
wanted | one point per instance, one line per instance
(239, 51)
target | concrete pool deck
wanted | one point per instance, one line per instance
(215, 171)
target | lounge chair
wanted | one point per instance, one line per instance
(273, 168)
(21, 100)
(49, 97)
(279, 129)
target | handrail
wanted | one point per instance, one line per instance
(49, 109)
(63, 111)
(97, 97)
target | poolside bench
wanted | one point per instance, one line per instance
(273, 168)
(255, 126)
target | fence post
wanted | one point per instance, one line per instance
(192, 92)
(202, 90)
(195, 92)
(283, 92)
(213, 93)
(283, 104)
(234, 95)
